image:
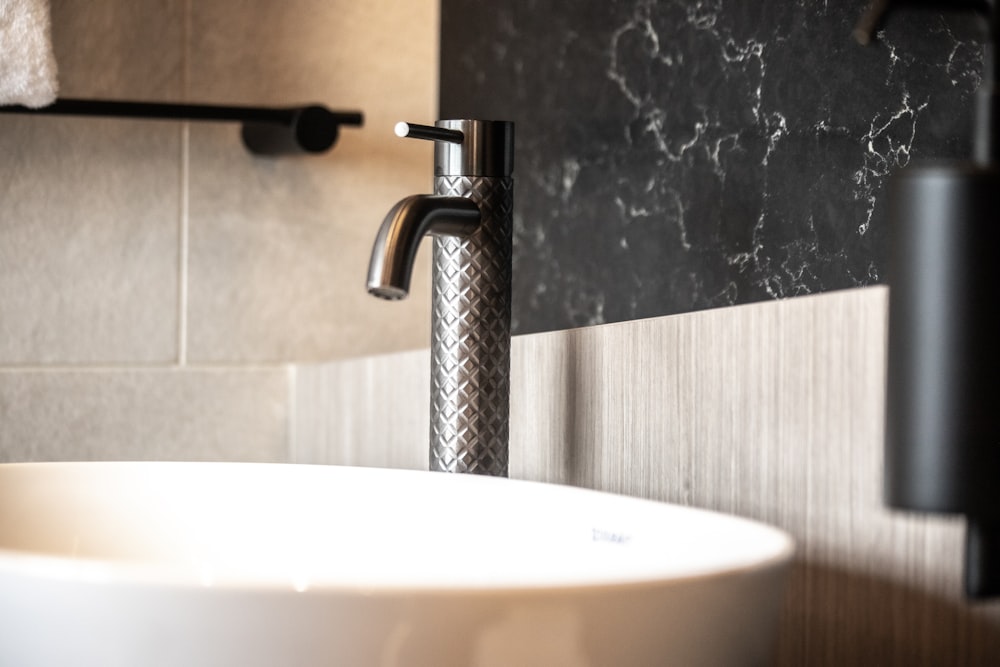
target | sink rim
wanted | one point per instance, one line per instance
(159, 574)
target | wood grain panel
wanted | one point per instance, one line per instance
(372, 411)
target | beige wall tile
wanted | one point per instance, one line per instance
(89, 221)
(88, 241)
(119, 49)
(197, 415)
(279, 252)
(279, 248)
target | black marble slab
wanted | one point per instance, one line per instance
(680, 155)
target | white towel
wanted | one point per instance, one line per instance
(27, 64)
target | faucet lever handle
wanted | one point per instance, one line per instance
(430, 133)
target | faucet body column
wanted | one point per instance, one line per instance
(470, 339)
(470, 216)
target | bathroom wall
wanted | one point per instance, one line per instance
(155, 278)
(676, 155)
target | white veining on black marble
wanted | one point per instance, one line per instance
(676, 155)
(888, 142)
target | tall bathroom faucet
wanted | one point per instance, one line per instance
(470, 217)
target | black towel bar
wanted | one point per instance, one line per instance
(266, 130)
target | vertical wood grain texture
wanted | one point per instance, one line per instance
(372, 411)
(772, 411)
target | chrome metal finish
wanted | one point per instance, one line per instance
(470, 338)
(396, 244)
(470, 216)
(487, 149)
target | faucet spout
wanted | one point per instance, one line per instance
(401, 232)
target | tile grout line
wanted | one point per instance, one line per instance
(151, 367)
(185, 203)
(182, 259)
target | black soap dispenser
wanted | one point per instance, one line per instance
(942, 449)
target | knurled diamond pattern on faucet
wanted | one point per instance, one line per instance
(470, 342)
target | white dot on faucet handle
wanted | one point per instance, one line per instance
(402, 129)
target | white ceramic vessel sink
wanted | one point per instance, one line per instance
(188, 564)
